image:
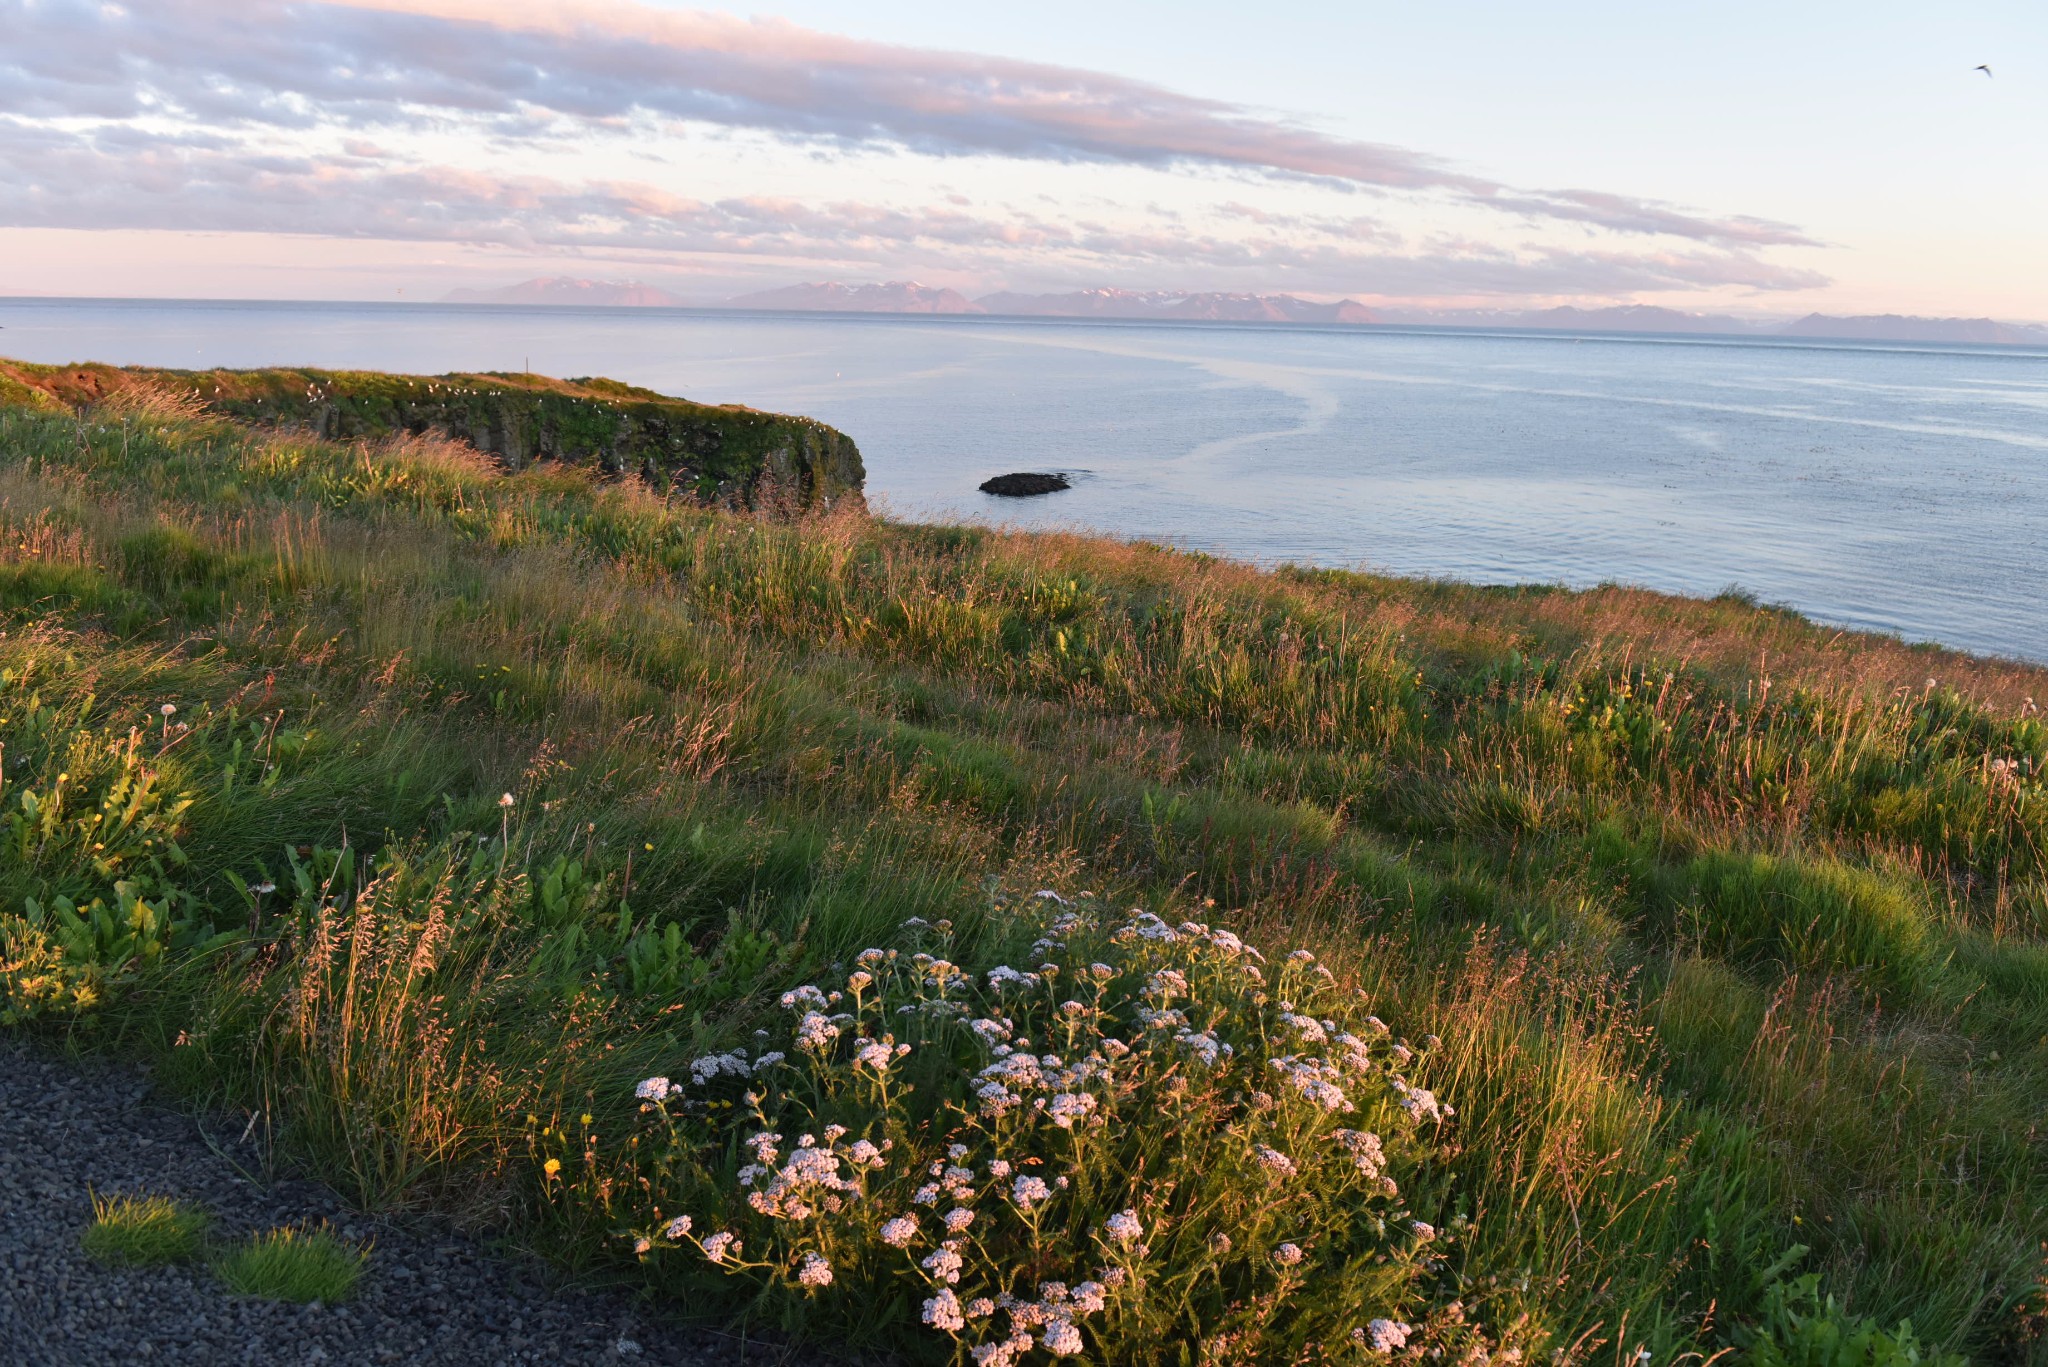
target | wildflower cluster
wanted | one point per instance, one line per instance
(1072, 1154)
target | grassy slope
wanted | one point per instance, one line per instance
(724, 453)
(1732, 926)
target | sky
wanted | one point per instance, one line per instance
(1740, 157)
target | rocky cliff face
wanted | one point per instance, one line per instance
(716, 453)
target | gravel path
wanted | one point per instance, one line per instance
(427, 1297)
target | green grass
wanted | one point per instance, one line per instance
(1732, 930)
(144, 1231)
(292, 1264)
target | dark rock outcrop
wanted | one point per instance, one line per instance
(1025, 485)
(722, 454)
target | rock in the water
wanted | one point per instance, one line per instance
(1025, 485)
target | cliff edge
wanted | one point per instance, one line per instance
(721, 453)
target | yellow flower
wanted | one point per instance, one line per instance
(586, 1117)
(552, 1166)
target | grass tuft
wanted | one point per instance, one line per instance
(144, 1231)
(295, 1263)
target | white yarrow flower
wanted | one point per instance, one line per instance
(942, 1312)
(1387, 1336)
(1124, 1226)
(1061, 1339)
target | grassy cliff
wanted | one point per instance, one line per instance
(1643, 979)
(718, 454)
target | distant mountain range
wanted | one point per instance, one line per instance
(1888, 327)
(560, 289)
(1232, 308)
(902, 296)
(908, 296)
(1893, 327)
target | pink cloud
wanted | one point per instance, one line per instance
(60, 179)
(522, 68)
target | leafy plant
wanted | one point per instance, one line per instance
(1801, 1328)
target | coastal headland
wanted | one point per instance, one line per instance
(946, 943)
(726, 454)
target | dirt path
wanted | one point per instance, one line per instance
(427, 1297)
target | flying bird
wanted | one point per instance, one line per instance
(1983, 68)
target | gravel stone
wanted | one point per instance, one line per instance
(428, 1296)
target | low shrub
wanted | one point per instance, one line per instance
(1148, 1136)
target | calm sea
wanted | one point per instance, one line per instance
(1896, 487)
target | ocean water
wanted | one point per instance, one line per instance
(1901, 488)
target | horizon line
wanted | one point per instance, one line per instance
(1674, 337)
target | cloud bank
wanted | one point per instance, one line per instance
(175, 113)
